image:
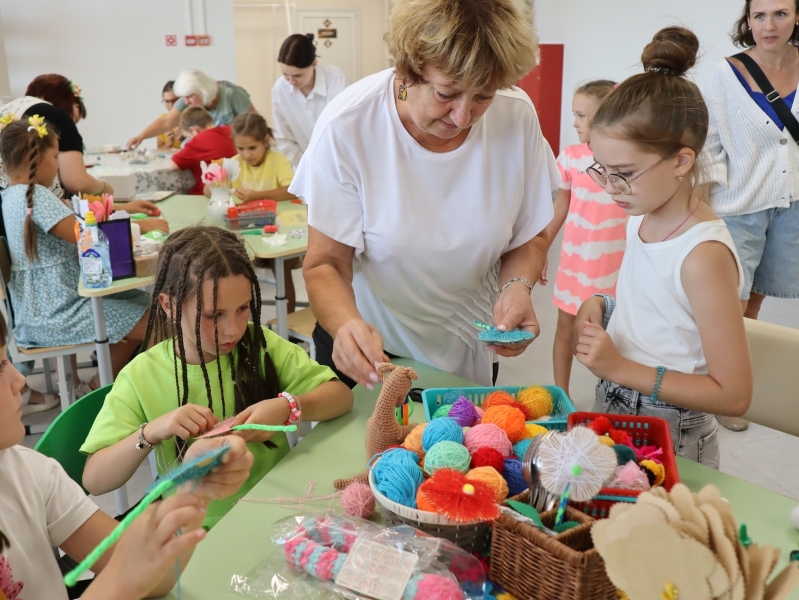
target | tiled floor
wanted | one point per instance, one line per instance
(760, 455)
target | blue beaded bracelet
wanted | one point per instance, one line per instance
(656, 390)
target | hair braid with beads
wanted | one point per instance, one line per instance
(190, 257)
(19, 148)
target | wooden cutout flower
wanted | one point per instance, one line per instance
(9, 590)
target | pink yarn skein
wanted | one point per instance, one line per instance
(436, 587)
(488, 435)
(358, 500)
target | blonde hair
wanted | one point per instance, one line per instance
(195, 116)
(483, 44)
(192, 81)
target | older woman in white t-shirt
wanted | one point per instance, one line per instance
(429, 186)
(300, 95)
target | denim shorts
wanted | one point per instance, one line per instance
(767, 242)
(693, 433)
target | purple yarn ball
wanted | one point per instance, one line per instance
(463, 412)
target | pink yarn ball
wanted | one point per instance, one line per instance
(438, 587)
(488, 435)
(358, 500)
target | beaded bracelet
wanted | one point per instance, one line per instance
(656, 390)
(294, 405)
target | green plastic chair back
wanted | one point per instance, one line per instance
(65, 436)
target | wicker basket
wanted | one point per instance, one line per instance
(533, 565)
(472, 537)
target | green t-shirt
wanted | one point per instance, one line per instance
(145, 390)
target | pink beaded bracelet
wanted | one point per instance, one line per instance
(296, 413)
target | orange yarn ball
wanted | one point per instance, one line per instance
(532, 430)
(492, 479)
(421, 502)
(498, 398)
(413, 441)
(538, 401)
(509, 419)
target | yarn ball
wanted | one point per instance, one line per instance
(463, 412)
(437, 587)
(488, 457)
(446, 455)
(397, 476)
(491, 477)
(624, 454)
(509, 419)
(795, 517)
(451, 395)
(604, 439)
(531, 430)
(441, 430)
(480, 412)
(413, 441)
(498, 398)
(487, 435)
(442, 411)
(520, 447)
(654, 471)
(422, 503)
(358, 500)
(513, 475)
(538, 401)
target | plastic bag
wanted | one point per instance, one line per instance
(324, 556)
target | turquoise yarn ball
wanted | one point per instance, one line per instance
(624, 454)
(446, 455)
(442, 411)
(519, 448)
(443, 429)
(397, 476)
(452, 395)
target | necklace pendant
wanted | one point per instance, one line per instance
(403, 92)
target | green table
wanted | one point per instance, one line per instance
(336, 449)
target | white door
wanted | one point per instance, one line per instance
(337, 33)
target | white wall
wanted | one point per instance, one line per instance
(5, 87)
(116, 51)
(603, 39)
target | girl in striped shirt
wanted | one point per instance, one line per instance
(594, 233)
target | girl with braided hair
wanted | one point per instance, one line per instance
(45, 269)
(210, 360)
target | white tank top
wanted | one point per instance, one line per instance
(653, 323)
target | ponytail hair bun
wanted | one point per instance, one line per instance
(298, 50)
(672, 51)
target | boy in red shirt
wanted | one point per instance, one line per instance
(206, 143)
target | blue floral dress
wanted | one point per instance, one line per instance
(47, 308)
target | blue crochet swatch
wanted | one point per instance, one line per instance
(492, 335)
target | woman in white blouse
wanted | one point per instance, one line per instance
(429, 186)
(307, 86)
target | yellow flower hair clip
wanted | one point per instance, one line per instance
(6, 120)
(37, 124)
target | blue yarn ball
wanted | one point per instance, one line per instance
(442, 429)
(513, 475)
(397, 476)
(520, 447)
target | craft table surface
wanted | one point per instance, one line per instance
(154, 175)
(334, 449)
(185, 211)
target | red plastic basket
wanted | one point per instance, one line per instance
(643, 431)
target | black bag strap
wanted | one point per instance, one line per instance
(772, 95)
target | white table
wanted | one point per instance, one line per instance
(154, 175)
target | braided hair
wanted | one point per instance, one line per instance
(20, 147)
(188, 258)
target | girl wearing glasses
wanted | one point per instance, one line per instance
(170, 140)
(593, 231)
(675, 345)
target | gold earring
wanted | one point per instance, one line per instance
(681, 177)
(403, 92)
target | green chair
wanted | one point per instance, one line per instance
(66, 434)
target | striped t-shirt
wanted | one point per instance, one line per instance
(593, 235)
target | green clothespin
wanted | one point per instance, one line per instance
(743, 536)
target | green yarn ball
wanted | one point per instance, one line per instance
(624, 454)
(442, 411)
(447, 455)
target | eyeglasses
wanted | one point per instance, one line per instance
(619, 182)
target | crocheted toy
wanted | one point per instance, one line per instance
(322, 550)
(382, 428)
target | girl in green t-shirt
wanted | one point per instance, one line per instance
(211, 351)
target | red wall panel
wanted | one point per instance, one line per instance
(544, 85)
